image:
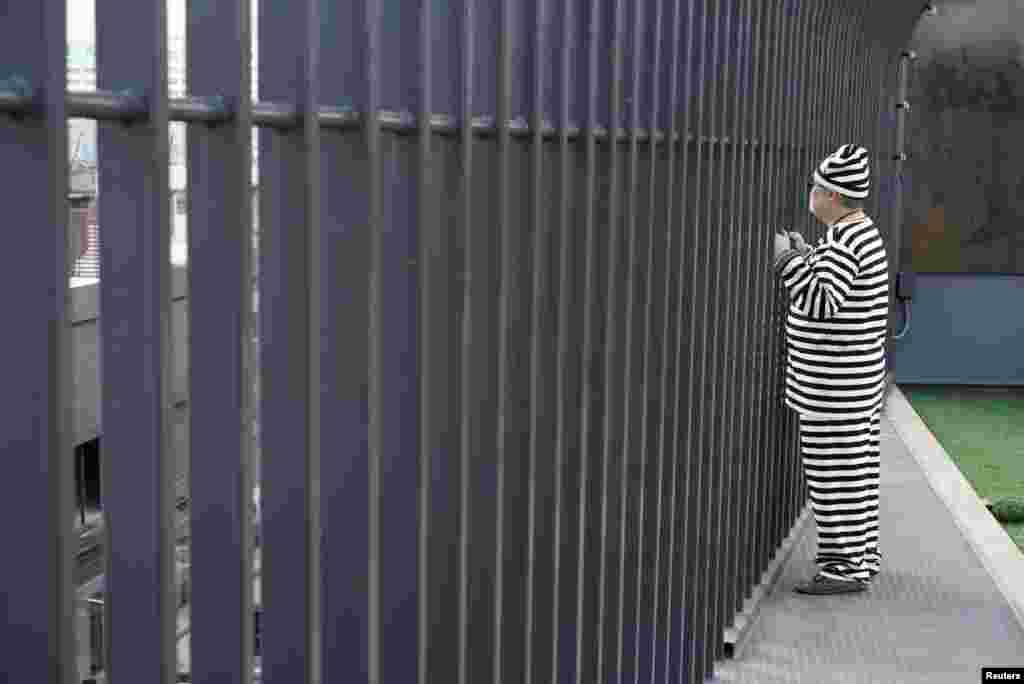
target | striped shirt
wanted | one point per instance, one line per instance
(837, 323)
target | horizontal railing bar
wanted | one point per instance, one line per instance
(130, 108)
(107, 106)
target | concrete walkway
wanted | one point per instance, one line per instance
(946, 603)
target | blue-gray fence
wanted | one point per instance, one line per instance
(518, 332)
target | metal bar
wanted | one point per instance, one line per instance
(647, 266)
(776, 415)
(401, 278)
(656, 337)
(793, 132)
(109, 106)
(731, 209)
(668, 436)
(471, 286)
(503, 107)
(281, 115)
(788, 185)
(220, 257)
(540, 332)
(290, 288)
(734, 322)
(714, 392)
(757, 281)
(372, 27)
(731, 320)
(486, 349)
(632, 459)
(137, 468)
(17, 96)
(775, 161)
(858, 71)
(749, 216)
(696, 530)
(800, 173)
(762, 268)
(744, 314)
(344, 262)
(765, 271)
(566, 331)
(37, 450)
(772, 303)
(522, 261)
(588, 420)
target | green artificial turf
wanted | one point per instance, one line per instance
(982, 430)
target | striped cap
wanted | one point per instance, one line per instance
(846, 171)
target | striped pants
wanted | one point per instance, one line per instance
(841, 466)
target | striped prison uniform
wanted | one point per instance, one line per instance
(835, 379)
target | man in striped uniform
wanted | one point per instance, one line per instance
(835, 368)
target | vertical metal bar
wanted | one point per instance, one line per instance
(220, 258)
(665, 655)
(811, 107)
(696, 550)
(758, 283)
(734, 319)
(290, 289)
(565, 331)
(540, 333)
(796, 145)
(714, 390)
(652, 410)
(733, 252)
(849, 51)
(402, 329)
(687, 469)
(895, 214)
(789, 130)
(775, 194)
(633, 457)
(373, 18)
(431, 321)
(778, 202)
(792, 133)
(764, 272)
(135, 298)
(38, 451)
(824, 77)
(879, 159)
(829, 100)
(613, 112)
(470, 269)
(799, 173)
(764, 275)
(857, 72)
(714, 359)
(503, 108)
(345, 258)
(745, 457)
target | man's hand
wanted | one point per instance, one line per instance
(782, 244)
(799, 244)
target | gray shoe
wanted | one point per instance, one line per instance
(826, 586)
